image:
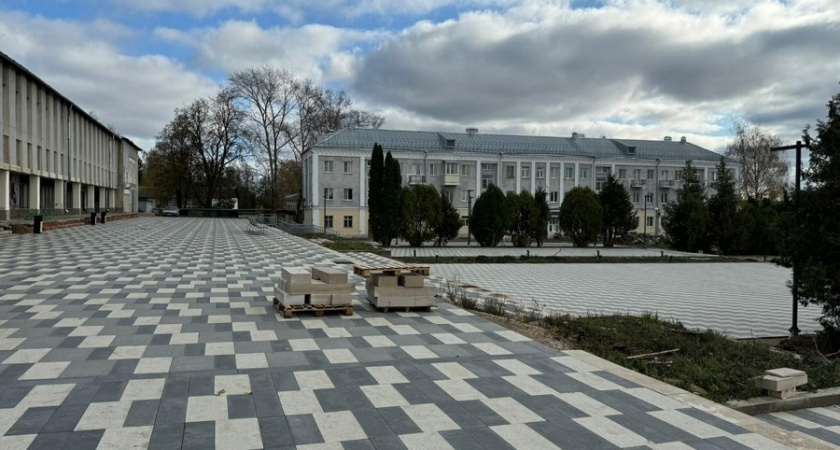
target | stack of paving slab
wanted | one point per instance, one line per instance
(322, 286)
(407, 290)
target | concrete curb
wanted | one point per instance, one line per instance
(803, 400)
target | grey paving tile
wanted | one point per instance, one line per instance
(275, 432)
(167, 436)
(49, 441)
(83, 440)
(487, 439)
(363, 444)
(142, 413)
(241, 406)
(398, 420)
(304, 430)
(199, 435)
(32, 421)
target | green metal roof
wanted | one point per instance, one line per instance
(430, 141)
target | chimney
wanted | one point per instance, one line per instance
(682, 139)
(471, 131)
(668, 138)
(576, 135)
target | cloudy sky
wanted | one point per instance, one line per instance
(618, 68)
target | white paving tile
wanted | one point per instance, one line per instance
(300, 402)
(521, 436)
(517, 367)
(491, 349)
(379, 341)
(238, 434)
(232, 384)
(424, 441)
(339, 426)
(313, 379)
(104, 415)
(429, 417)
(207, 407)
(384, 396)
(45, 370)
(419, 352)
(454, 371)
(612, 432)
(387, 375)
(688, 424)
(512, 411)
(123, 438)
(153, 365)
(592, 380)
(587, 404)
(301, 345)
(251, 361)
(340, 356)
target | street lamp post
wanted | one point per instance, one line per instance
(794, 329)
(647, 196)
(469, 217)
(325, 210)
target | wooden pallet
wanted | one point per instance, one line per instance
(389, 269)
(319, 310)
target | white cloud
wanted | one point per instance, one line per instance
(135, 94)
(631, 69)
(320, 52)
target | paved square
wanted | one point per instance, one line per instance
(160, 333)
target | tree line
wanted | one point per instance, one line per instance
(246, 140)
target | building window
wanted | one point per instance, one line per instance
(678, 175)
(540, 172)
(451, 169)
(328, 193)
(328, 166)
(447, 194)
(348, 221)
(433, 170)
(622, 173)
(663, 197)
(650, 221)
(465, 221)
(485, 166)
(555, 172)
(713, 176)
(526, 171)
(570, 173)
(663, 175)
(465, 170)
(602, 170)
(464, 196)
(599, 185)
(650, 174)
(328, 222)
(510, 171)
(348, 166)
(584, 172)
(637, 174)
(348, 194)
(485, 182)
(636, 197)
(554, 197)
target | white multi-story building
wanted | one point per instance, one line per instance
(56, 158)
(462, 165)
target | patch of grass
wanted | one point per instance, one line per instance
(510, 259)
(707, 362)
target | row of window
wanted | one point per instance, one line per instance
(348, 222)
(525, 171)
(328, 194)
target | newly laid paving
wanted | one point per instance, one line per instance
(740, 299)
(160, 333)
(820, 423)
(565, 251)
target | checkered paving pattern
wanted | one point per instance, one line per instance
(742, 300)
(160, 333)
(818, 423)
(566, 252)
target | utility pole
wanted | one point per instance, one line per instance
(469, 217)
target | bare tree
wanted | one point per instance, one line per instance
(214, 131)
(764, 172)
(269, 94)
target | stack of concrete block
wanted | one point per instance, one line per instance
(782, 383)
(406, 290)
(323, 286)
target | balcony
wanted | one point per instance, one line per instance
(414, 180)
(638, 183)
(451, 180)
(666, 184)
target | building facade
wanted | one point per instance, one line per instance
(462, 165)
(54, 157)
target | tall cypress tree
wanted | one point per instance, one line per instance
(723, 211)
(619, 215)
(391, 196)
(375, 181)
(815, 243)
(686, 220)
(541, 229)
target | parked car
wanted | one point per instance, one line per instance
(171, 211)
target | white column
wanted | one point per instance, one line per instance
(363, 196)
(90, 199)
(60, 204)
(562, 189)
(577, 174)
(77, 197)
(612, 171)
(705, 174)
(316, 194)
(34, 192)
(477, 189)
(548, 181)
(112, 198)
(518, 177)
(5, 203)
(534, 177)
(103, 193)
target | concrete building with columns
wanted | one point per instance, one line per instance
(462, 165)
(55, 158)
